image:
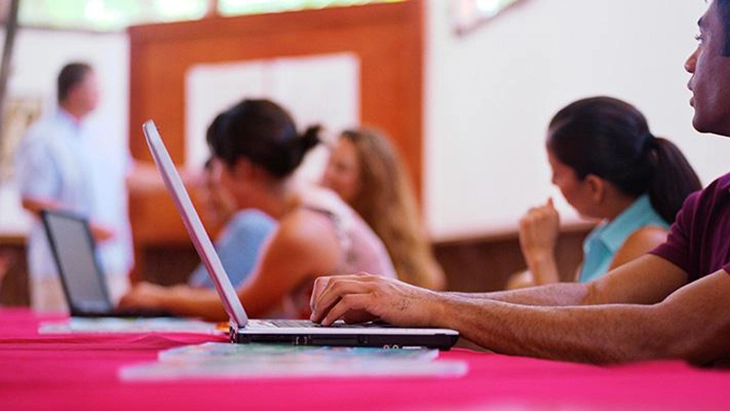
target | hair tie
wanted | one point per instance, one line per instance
(650, 143)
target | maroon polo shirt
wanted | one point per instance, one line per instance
(699, 240)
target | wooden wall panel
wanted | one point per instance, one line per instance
(387, 38)
(471, 265)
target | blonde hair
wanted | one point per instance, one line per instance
(386, 202)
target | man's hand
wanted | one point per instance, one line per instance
(365, 297)
(101, 232)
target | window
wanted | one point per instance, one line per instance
(114, 15)
(468, 14)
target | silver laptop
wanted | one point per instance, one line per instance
(297, 332)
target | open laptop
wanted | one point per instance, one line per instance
(84, 283)
(297, 332)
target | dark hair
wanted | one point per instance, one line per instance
(723, 7)
(610, 138)
(264, 133)
(71, 75)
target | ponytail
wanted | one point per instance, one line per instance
(673, 178)
(293, 151)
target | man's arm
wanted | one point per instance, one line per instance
(637, 326)
(646, 280)
(35, 206)
(692, 324)
(143, 177)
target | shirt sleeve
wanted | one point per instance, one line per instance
(238, 247)
(37, 174)
(677, 248)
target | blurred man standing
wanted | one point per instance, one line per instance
(58, 168)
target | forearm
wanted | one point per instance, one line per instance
(194, 302)
(562, 294)
(35, 205)
(597, 334)
(544, 269)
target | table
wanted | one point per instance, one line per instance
(79, 371)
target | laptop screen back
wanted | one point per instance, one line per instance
(73, 251)
(194, 226)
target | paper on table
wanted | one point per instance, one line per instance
(127, 325)
(226, 361)
(227, 352)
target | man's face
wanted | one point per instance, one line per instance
(86, 94)
(710, 81)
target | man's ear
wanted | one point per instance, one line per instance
(597, 188)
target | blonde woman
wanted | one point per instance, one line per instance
(367, 173)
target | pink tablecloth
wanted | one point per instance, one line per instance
(72, 372)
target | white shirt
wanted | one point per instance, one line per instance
(58, 160)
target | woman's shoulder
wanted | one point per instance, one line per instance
(318, 198)
(307, 223)
(638, 243)
(649, 234)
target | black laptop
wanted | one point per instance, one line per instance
(84, 283)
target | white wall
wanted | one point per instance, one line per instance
(490, 95)
(37, 58)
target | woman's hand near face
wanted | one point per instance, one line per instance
(539, 230)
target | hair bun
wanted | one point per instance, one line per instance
(310, 138)
(293, 151)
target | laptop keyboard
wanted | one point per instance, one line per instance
(309, 324)
(290, 324)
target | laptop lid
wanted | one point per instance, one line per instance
(195, 228)
(74, 253)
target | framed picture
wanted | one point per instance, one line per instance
(20, 113)
(469, 14)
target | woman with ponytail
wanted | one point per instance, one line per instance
(256, 148)
(609, 167)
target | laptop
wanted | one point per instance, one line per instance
(296, 332)
(84, 282)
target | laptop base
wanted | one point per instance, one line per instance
(436, 341)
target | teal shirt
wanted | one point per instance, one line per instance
(606, 239)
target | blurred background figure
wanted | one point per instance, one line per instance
(256, 149)
(58, 168)
(609, 167)
(364, 169)
(243, 234)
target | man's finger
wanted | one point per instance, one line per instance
(335, 290)
(350, 302)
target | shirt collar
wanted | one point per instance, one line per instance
(614, 234)
(69, 120)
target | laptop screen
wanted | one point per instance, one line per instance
(73, 251)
